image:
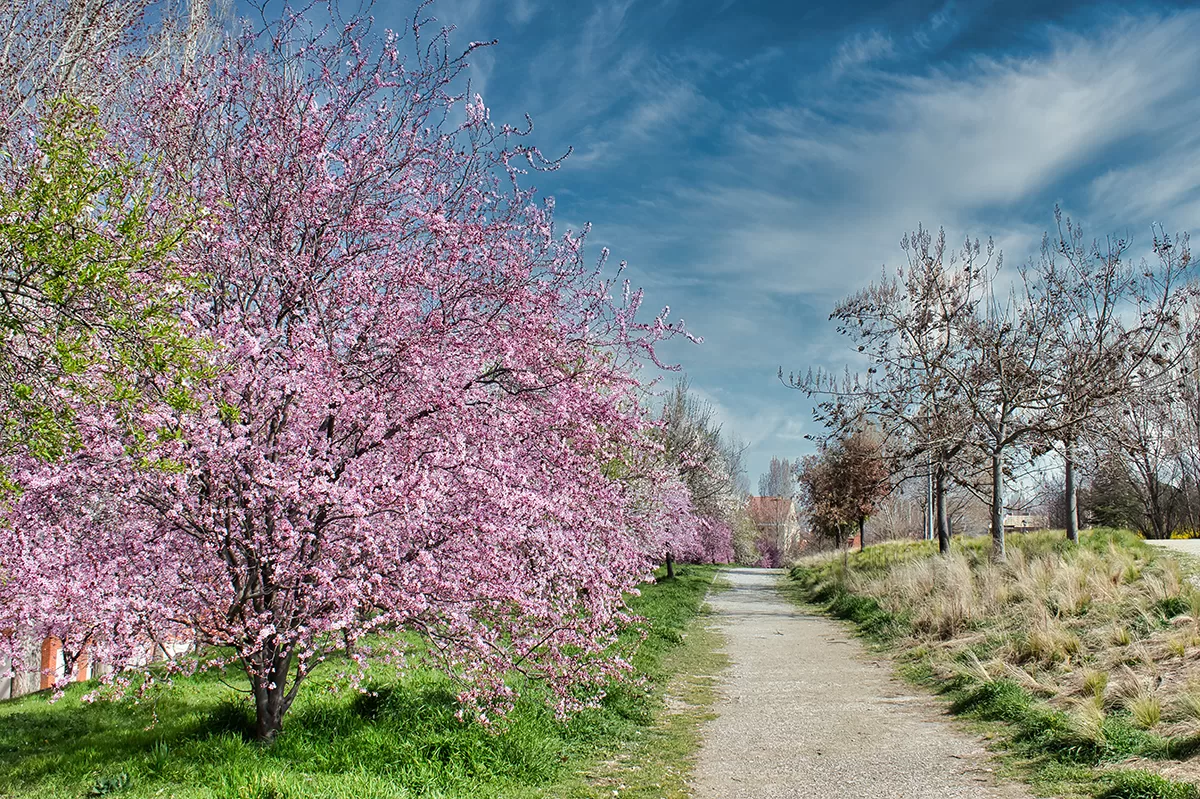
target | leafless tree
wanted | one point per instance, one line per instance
(710, 464)
(1003, 384)
(779, 479)
(1116, 326)
(975, 370)
(91, 49)
(909, 326)
(1142, 429)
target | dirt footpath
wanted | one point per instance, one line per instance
(807, 712)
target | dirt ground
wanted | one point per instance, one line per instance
(805, 711)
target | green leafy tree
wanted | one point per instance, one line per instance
(89, 299)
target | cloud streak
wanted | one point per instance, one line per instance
(752, 183)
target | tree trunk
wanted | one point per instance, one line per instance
(943, 521)
(862, 534)
(670, 567)
(272, 696)
(998, 554)
(268, 716)
(1072, 496)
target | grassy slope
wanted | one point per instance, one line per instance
(1083, 663)
(402, 741)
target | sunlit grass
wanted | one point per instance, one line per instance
(403, 739)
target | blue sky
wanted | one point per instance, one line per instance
(756, 161)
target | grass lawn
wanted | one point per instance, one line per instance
(401, 740)
(1081, 663)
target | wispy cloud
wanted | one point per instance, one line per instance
(751, 186)
(939, 27)
(860, 50)
(1164, 187)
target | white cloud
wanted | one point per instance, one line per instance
(861, 50)
(1000, 130)
(1163, 188)
(790, 206)
(810, 201)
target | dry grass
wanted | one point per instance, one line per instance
(1106, 633)
(1062, 616)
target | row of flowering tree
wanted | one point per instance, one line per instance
(410, 402)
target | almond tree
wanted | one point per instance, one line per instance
(421, 393)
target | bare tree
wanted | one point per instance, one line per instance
(1003, 386)
(975, 370)
(779, 479)
(1142, 427)
(1114, 325)
(910, 329)
(710, 464)
(91, 49)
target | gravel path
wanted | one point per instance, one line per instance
(807, 713)
(1189, 546)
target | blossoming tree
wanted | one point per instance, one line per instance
(420, 388)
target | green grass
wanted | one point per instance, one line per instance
(1010, 648)
(401, 741)
(1136, 784)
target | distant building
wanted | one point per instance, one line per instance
(44, 665)
(777, 522)
(1024, 523)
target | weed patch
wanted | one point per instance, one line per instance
(1144, 785)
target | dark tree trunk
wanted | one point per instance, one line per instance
(268, 715)
(998, 553)
(862, 534)
(670, 567)
(272, 693)
(943, 521)
(1072, 496)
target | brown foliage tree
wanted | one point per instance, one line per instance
(843, 485)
